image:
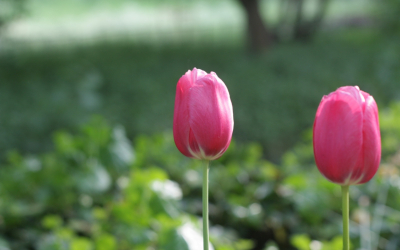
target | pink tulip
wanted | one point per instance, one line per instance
(346, 136)
(203, 116)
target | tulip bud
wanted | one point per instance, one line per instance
(203, 116)
(346, 136)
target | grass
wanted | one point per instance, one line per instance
(274, 94)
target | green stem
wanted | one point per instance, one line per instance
(205, 204)
(345, 214)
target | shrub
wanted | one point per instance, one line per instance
(96, 190)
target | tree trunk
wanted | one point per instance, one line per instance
(305, 30)
(258, 36)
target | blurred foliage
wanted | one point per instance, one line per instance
(274, 95)
(96, 190)
(389, 12)
(10, 9)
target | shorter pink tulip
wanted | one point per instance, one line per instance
(203, 116)
(346, 136)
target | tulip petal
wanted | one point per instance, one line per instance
(196, 74)
(372, 140)
(181, 128)
(193, 146)
(354, 92)
(338, 136)
(211, 116)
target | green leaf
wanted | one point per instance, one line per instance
(298, 181)
(174, 240)
(106, 242)
(301, 241)
(52, 222)
(81, 244)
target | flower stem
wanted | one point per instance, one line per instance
(205, 204)
(345, 214)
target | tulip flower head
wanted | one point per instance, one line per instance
(346, 136)
(203, 115)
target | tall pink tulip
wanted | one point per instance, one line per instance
(203, 124)
(347, 142)
(203, 116)
(346, 136)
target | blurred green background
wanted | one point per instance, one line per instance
(87, 91)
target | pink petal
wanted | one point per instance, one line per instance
(197, 73)
(211, 116)
(338, 135)
(354, 92)
(372, 140)
(181, 126)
